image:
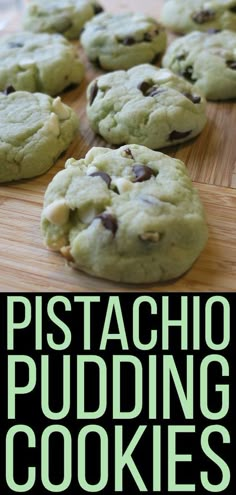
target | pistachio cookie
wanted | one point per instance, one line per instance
(35, 129)
(183, 16)
(145, 105)
(44, 62)
(66, 16)
(120, 41)
(129, 215)
(207, 60)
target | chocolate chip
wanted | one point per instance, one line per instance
(213, 31)
(153, 91)
(194, 98)
(144, 87)
(93, 92)
(147, 37)
(181, 56)
(129, 153)
(103, 176)
(147, 89)
(8, 90)
(188, 73)
(109, 222)
(14, 44)
(128, 41)
(233, 9)
(231, 64)
(178, 135)
(203, 16)
(142, 172)
(97, 9)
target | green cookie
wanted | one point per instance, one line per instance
(35, 129)
(183, 16)
(65, 16)
(120, 41)
(207, 60)
(145, 105)
(43, 62)
(129, 215)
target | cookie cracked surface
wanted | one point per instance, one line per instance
(44, 62)
(120, 41)
(183, 16)
(35, 129)
(66, 17)
(145, 105)
(129, 215)
(207, 60)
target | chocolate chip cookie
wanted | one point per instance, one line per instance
(207, 60)
(128, 215)
(35, 129)
(183, 16)
(120, 41)
(44, 62)
(66, 16)
(145, 105)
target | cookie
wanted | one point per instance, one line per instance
(35, 129)
(128, 215)
(183, 16)
(207, 60)
(120, 41)
(66, 16)
(145, 105)
(44, 62)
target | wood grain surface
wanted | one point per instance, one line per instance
(26, 265)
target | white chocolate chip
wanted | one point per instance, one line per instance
(57, 212)
(87, 215)
(150, 236)
(52, 125)
(60, 109)
(122, 185)
(164, 75)
(92, 170)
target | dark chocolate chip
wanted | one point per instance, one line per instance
(181, 56)
(129, 153)
(147, 89)
(213, 31)
(188, 73)
(93, 92)
(231, 64)
(178, 135)
(233, 9)
(109, 222)
(142, 172)
(8, 90)
(194, 98)
(153, 91)
(14, 44)
(103, 176)
(128, 41)
(97, 9)
(144, 86)
(147, 37)
(203, 16)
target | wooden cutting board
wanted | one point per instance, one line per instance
(26, 265)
